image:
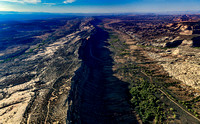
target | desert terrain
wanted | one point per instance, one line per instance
(102, 69)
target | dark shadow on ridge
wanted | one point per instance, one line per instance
(174, 44)
(196, 42)
(96, 96)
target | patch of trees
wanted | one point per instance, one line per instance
(146, 103)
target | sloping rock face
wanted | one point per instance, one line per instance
(34, 87)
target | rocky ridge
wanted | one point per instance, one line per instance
(35, 87)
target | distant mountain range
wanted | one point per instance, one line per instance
(14, 15)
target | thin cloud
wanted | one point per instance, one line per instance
(23, 1)
(69, 1)
(50, 4)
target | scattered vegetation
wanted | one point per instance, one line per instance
(146, 98)
(143, 97)
(164, 48)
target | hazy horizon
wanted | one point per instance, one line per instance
(103, 6)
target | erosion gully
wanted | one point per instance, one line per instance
(97, 96)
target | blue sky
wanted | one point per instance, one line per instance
(99, 6)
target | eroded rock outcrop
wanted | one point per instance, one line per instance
(181, 63)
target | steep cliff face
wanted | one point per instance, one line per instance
(35, 86)
(96, 95)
